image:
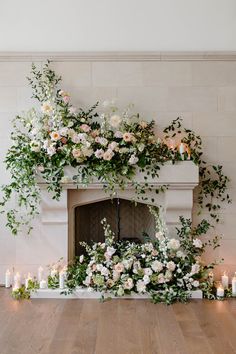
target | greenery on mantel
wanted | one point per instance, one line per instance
(110, 146)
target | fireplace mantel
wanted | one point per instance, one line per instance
(57, 217)
(181, 175)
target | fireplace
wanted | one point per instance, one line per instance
(78, 213)
(127, 219)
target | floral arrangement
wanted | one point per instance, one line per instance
(167, 269)
(110, 146)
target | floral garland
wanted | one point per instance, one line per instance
(108, 146)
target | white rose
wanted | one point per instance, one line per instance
(105, 271)
(180, 254)
(87, 152)
(171, 266)
(119, 267)
(133, 160)
(115, 121)
(197, 243)
(129, 284)
(136, 267)
(116, 275)
(64, 131)
(141, 147)
(161, 278)
(146, 279)
(110, 251)
(118, 134)
(81, 258)
(51, 150)
(127, 263)
(76, 153)
(99, 153)
(147, 271)
(102, 141)
(141, 286)
(113, 145)
(157, 266)
(173, 244)
(195, 268)
(195, 283)
(99, 267)
(107, 156)
(46, 108)
(159, 235)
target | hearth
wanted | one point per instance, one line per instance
(127, 219)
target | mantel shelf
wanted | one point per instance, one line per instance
(182, 175)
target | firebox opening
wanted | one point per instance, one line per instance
(127, 219)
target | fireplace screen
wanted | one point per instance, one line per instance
(127, 219)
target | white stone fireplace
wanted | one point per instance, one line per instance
(57, 218)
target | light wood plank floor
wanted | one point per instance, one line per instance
(116, 327)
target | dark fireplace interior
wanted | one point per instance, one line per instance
(127, 219)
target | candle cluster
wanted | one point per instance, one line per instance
(223, 286)
(182, 148)
(16, 281)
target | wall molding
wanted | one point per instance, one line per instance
(116, 56)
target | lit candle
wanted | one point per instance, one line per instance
(220, 292)
(211, 277)
(171, 144)
(43, 284)
(234, 285)
(182, 150)
(40, 273)
(27, 280)
(17, 280)
(225, 280)
(54, 272)
(62, 279)
(8, 279)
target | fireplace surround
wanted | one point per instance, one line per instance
(61, 217)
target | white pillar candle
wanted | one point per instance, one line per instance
(62, 276)
(225, 281)
(40, 274)
(182, 150)
(8, 279)
(234, 285)
(17, 280)
(43, 284)
(27, 280)
(220, 292)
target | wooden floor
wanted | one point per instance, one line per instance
(116, 327)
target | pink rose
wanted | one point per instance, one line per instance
(85, 127)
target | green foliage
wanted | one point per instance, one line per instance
(24, 293)
(213, 183)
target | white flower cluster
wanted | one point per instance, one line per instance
(151, 267)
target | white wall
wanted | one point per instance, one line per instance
(117, 25)
(202, 92)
